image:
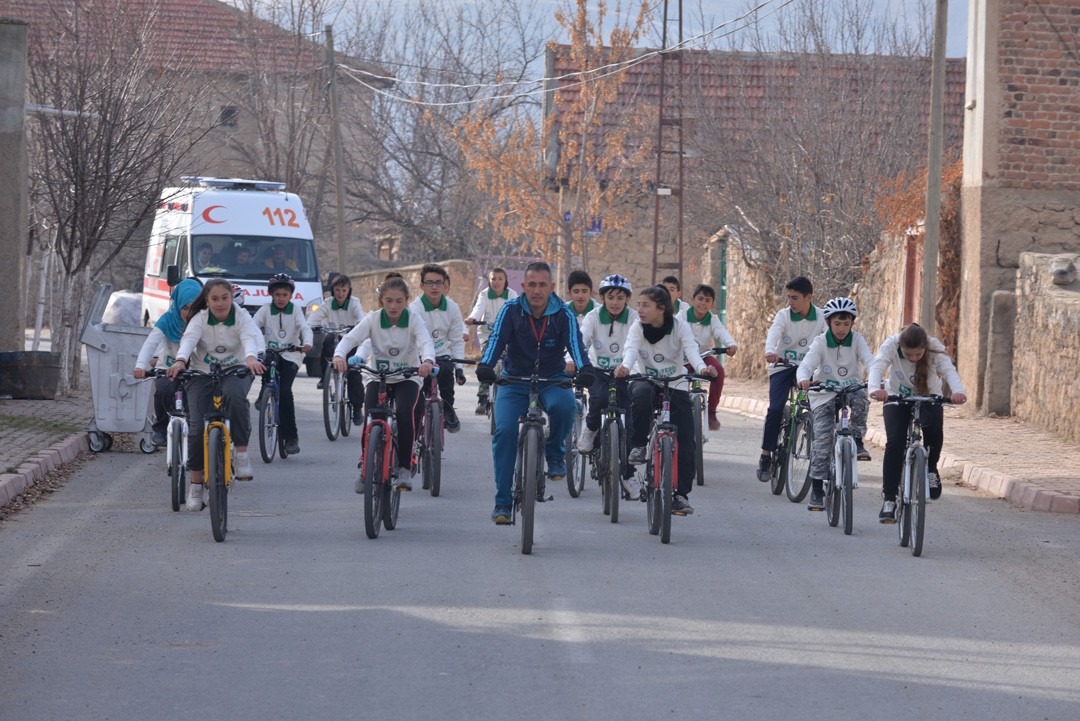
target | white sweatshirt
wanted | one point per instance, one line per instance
(403, 344)
(605, 337)
(709, 331)
(157, 346)
(666, 357)
(891, 371)
(790, 335)
(486, 310)
(284, 328)
(444, 324)
(835, 364)
(329, 314)
(207, 340)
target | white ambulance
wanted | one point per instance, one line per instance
(241, 230)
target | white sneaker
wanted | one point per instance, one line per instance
(632, 488)
(242, 471)
(194, 497)
(586, 440)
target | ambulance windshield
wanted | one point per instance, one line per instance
(253, 257)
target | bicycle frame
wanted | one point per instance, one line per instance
(178, 422)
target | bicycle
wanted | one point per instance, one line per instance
(576, 461)
(176, 454)
(378, 454)
(699, 407)
(915, 482)
(843, 471)
(431, 435)
(529, 462)
(662, 464)
(217, 446)
(337, 409)
(790, 468)
(492, 392)
(609, 455)
(269, 402)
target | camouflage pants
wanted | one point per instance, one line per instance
(824, 422)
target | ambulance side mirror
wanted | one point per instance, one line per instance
(172, 274)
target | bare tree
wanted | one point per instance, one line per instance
(121, 128)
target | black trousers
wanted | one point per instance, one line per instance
(164, 397)
(646, 398)
(287, 371)
(446, 382)
(897, 418)
(407, 408)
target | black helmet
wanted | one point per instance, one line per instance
(280, 280)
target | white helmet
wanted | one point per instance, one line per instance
(840, 305)
(615, 282)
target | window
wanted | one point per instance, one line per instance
(227, 116)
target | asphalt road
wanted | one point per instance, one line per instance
(114, 607)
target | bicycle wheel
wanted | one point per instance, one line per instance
(917, 509)
(344, 407)
(613, 469)
(652, 503)
(847, 485)
(373, 487)
(432, 460)
(667, 462)
(492, 392)
(177, 472)
(391, 503)
(532, 465)
(215, 481)
(330, 411)
(698, 414)
(797, 482)
(903, 510)
(268, 428)
(778, 470)
(572, 455)
(602, 467)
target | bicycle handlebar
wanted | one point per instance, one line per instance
(215, 370)
(561, 382)
(715, 351)
(785, 363)
(822, 388)
(912, 400)
(406, 372)
(331, 329)
(280, 351)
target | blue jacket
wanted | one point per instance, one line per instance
(515, 331)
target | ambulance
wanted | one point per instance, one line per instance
(241, 230)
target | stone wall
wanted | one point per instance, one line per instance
(1046, 347)
(752, 303)
(463, 283)
(880, 294)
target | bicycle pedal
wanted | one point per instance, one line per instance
(679, 513)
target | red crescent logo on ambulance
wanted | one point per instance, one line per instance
(206, 214)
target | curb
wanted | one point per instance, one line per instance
(1021, 493)
(40, 464)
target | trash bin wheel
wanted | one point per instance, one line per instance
(98, 442)
(146, 445)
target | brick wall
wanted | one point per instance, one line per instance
(1039, 79)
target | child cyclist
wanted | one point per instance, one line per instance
(792, 330)
(580, 287)
(709, 333)
(163, 343)
(833, 360)
(341, 310)
(660, 343)
(911, 363)
(447, 329)
(399, 339)
(486, 309)
(220, 332)
(674, 288)
(604, 332)
(283, 325)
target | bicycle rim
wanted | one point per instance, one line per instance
(903, 512)
(581, 470)
(847, 487)
(373, 491)
(330, 404)
(613, 470)
(532, 466)
(433, 461)
(667, 459)
(215, 476)
(267, 426)
(491, 405)
(572, 456)
(797, 481)
(177, 481)
(344, 408)
(391, 504)
(699, 436)
(918, 502)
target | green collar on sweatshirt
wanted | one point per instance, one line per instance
(334, 305)
(812, 315)
(691, 319)
(287, 310)
(832, 342)
(231, 320)
(403, 321)
(606, 318)
(504, 294)
(429, 307)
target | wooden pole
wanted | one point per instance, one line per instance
(933, 176)
(339, 162)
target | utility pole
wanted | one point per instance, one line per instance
(339, 163)
(932, 228)
(670, 119)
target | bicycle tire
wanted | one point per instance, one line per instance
(797, 482)
(613, 470)
(331, 414)
(602, 467)
(581, 470)
(532, 464)
(917, 509)
(778, 468)
(344, 406)
(391, 503)
(653, 503)
(667, 461)
(572, 455)
(373, 490)
(492, 392)
(847, 485)
(217, 489)
(177, 472)
(903, 515)
(698, 403)
(268, 429)
(433, 452)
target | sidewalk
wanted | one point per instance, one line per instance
(1011, 460)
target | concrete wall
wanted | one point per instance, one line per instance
(1046, 348)
(13, 180)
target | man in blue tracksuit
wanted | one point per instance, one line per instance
(536, 330)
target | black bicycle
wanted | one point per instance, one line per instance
(337, 410)
(575, 460)
(608, 460)
(915, 482)
(176, 443)
(269, 405)
(790, 468)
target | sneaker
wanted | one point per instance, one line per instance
(158, 439)
(714, 422)
(817, 500)
(860, 450)
(586, 440)
(404, 482)
(292, 446)
(357, 417)
(450, 419)
(481, 408)
(501, 515)
(935, 485)
(242, 469)
(637, 455)
(320, 385)
(764, 468)
(888, 512)
(680, 506)
(195, 497)
(556, 469)
(632, 488)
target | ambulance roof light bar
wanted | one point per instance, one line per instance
(232, 183)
